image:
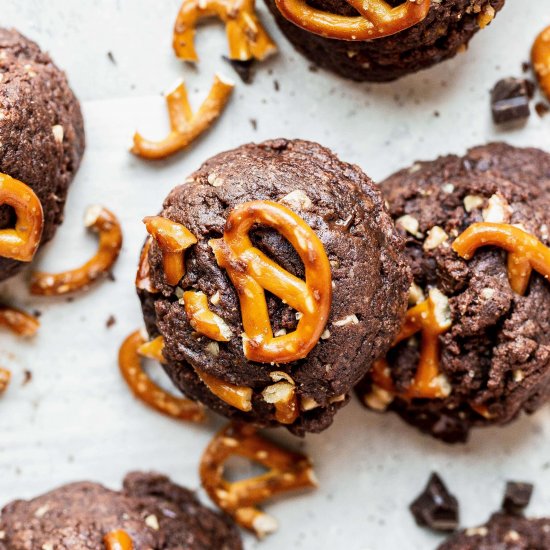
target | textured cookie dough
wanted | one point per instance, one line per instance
(496, 355)
(370, 277)
(156, 513)
(41, 131)
(447, 29)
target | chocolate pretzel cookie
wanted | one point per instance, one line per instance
(151, 510)
(41, 132)
(370, 281)
(446, 30)
(494, 352)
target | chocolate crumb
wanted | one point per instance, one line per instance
(254, 123)
(526, 66)
(510, 100)
(37, 313)
(242, 68)
(313, 68)
(111, 58)
(542, 109)
(517, 497)
(27, 377)
(276, 85)
(436, 508)
(110, 321)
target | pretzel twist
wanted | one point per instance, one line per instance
(245, 34)
(526, 252)
(252, 272)
(422, 318)
(101, 221)
(5, 377)
(18, 321)
(21, 242)
(146, 390)
(540, 56)
(288, 471)
(173, 240)
(185, 126)
(118, 540)
(376, 19)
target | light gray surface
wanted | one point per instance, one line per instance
(76, 420)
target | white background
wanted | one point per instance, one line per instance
(76, 420)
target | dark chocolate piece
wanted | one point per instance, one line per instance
(436, 508)
(510, 100)
(517, 497)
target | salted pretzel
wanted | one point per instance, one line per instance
(143, 275)
(245, 34)
(185, 126)
(5, 377)
(540, 56)
(252, 272)
(21, 242)
(118, 540)
(288, 471)
(424, 318)
(376, 18)
(101, 221)
(173, 240)
(18, 321)
(149, 392)
(203, 319)
(525, 251)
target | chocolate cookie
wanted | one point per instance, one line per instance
(503, 532)
(370, 280)
(494, 353)
(446, 30)
(41, 131)
(154, 512)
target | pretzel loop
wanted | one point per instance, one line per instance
(287, 471)
(252, 272)
(526, 252)
(118, 540)
(377, 18)
(21, 242)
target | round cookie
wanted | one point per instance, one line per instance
(502, 532)
(495, 356)
(152, 510)
(369, 275)
(446, 30)
(41, 131)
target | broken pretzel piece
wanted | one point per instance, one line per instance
(540, 57)
(203, 319)
(431, 319)
(21, 242)
(5, 377)
(173, 240)
(185, 126)
(288, 471)
(376, 18)
(245, 34)
(19, 322)
(239, 397)
(101, 221)
(118, 540)
(143, 275)
(526, 252)
(146, 390)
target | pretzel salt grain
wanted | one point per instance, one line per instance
(185, 126)
(245, 34)
(118, 540)
(526, 252)
(287, 471)
(239, 397)
(21, 242)
(101, 221)
(146, 390)
(143, 275)
(376, 18)
(5, 377)
(173, 240)
(430, 318)
(203, 319)
(540, 56)
(252, 272)
(19, 322)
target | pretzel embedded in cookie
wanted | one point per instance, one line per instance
(101, 221)
(173, 240)
(540, 56)
(185, 126)
(245, 34)
(252, 272)
(203, 319)
(143, 275)
(430, 318)
(288, 471)
(375, 19)
(239, 397)
(525, 251)
(146, 390)
(18, 321)
(118, 540)
(21, 242)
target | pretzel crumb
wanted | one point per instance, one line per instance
(5, 377)
(18, 321)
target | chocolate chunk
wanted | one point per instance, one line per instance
(510, 100)
(542, 109)
(436, 508)
(242, 68)
(517, 497)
